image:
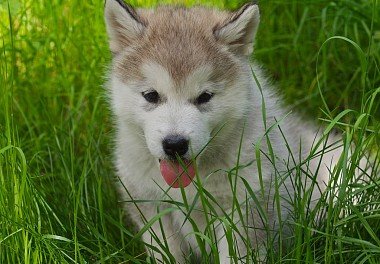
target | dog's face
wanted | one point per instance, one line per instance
(179, 74)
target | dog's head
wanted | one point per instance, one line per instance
(178, 74)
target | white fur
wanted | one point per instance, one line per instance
(139, 147)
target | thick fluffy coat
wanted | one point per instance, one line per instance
(186, 72)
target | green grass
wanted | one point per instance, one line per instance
(57, 201)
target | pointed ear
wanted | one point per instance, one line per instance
(239, 31)
(123, 24)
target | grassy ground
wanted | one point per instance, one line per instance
(57, 202)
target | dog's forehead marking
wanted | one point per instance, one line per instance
(156, 75)
(159, 78)
(181, 41)
(198, 77)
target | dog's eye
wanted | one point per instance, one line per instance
(151, 96)
(204, 98)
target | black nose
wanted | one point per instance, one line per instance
(175, 144)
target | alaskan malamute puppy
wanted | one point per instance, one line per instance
(200, 132)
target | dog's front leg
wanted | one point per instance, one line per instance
(244, 245)
(162, 241)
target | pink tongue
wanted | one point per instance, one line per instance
(175, 175)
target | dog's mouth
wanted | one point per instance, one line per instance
(177, 174)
